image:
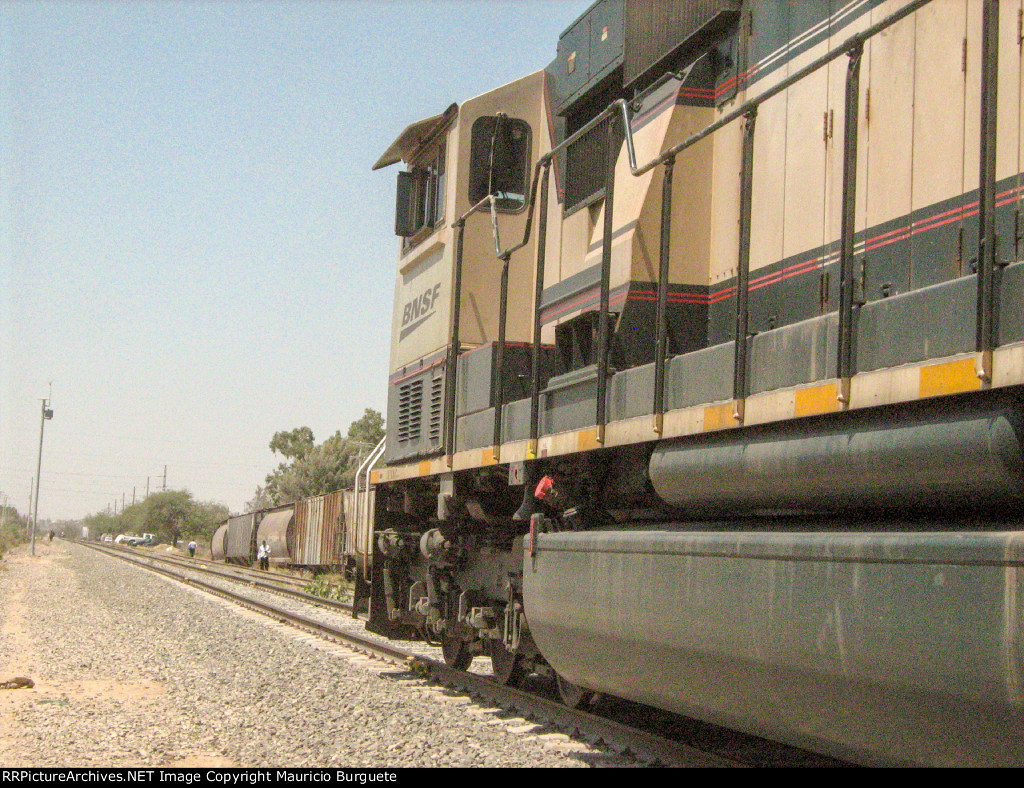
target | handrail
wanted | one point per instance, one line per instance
(370, 531)
(987, 285)
(748, 109)
(370, 459)
(454, 343)
(622, 106)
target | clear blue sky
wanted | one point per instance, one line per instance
(193, 248)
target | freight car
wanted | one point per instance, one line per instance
(706, 368)
(320, 532)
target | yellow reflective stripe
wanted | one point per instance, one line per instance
(951, 377)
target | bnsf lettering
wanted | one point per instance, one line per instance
(420, 305)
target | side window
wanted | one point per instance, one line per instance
(499, 161)
(421, 193)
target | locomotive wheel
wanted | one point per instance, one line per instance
(509, 667)
(572, 695)
(456, 652)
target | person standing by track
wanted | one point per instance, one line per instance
(192, 549)
(263, 554)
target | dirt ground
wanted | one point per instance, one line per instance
(23, 654)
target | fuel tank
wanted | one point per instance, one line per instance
(882, 647)
(944, 463)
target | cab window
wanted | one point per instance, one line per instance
(499, 161)
(421, 193)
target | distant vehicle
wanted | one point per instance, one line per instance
(141, 541)
(123, 538)
(106, 538)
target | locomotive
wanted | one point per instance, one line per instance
(706, 368)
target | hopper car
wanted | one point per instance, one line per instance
(318, 533)
(706, 374)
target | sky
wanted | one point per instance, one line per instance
(194, 252)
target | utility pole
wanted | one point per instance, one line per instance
(45, 414)
(147, 486)
(122, 503)
(133, 495)
(31, 492)
(165, 478)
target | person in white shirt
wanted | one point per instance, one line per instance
(192, 549)
(263, 554)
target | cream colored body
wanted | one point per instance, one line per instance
(919, 137)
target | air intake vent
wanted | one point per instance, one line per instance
(436, 402)
(410, 409)
(655, 30)
(586, 162)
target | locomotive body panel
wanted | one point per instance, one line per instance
(841, 349)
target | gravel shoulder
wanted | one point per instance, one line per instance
(131, 669)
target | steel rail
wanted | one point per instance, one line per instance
(368, 516)
(367, 464)
(986, 326)
(242, 572)
(618, 736)
(213, 565)
(265, 584)
(383, 650)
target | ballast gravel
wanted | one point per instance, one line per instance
(134, 670)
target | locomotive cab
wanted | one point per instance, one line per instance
(454, 160)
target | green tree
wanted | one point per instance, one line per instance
(103, 523)
(293, 445)
(368, 430)
(13, 528)
(203, 519)
(317, 469)
(261, 500)
(168, 515)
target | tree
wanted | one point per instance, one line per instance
(260, 500)
(13, 528)
(293, 445)
(104, 523)
(315, 470)
(168, 515)
(368, 430)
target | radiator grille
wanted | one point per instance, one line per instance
(410, 410)
(436, 404)
(586, 160)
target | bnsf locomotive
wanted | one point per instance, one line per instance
(706, 373)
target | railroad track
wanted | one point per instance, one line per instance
(273, 583)
(722, 748)
(225, 568)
